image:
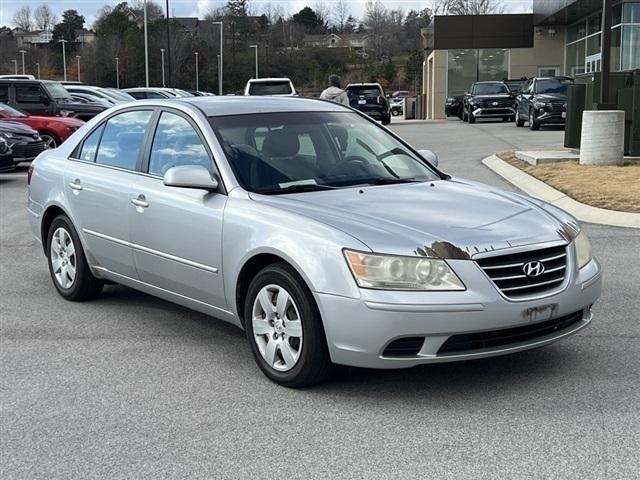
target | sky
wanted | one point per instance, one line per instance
(189, 8)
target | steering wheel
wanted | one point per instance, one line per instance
(352, 164)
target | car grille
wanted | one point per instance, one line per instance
(466, 342)
(404, 347)
(27, 151)
(503, 102)
(507, 271)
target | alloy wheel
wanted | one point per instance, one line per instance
(277, 327)
(49, 141)
(63, 258)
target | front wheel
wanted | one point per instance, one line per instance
(533, 121)
(67, 263)
(49, 140)
(519, 121)
(284, 328)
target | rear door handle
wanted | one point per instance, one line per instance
(76, 185)
(141, 201)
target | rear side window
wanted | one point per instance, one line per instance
(122, 139)
(27, 93)
(138, 95)
(90, 145)
(176, 143)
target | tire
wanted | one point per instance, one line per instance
(77, 283)
(519, 121)
(50, 140)
(286, 358)
(460, 114)
(471, 118)
(395, 113)
(533, 122)
(512, 119)
(386, 119)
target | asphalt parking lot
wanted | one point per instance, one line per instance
(129, 386)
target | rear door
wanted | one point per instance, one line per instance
(176, 233)
(98, 185)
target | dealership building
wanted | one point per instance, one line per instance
(560, 37)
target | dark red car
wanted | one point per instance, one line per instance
(53, 130)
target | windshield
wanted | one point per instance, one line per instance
(57, 91)
(270, 88)
(6, 110)
(284, 152)
(553, 85)
(489, 88)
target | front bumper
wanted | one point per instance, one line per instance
(554, 118)
(494, 112)
(359, 330)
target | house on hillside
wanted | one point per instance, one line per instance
(356, 42)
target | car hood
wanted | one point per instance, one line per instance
(17, 128)
(551, 97)
(66, 121)
(444, 218)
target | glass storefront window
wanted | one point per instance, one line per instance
(616, 16)
(575, 58)
(593, 45)
(594, 24)
(462, 70)
(615, 49)
(631, 13)
(630, 47)
(576, 31)
(493, 64)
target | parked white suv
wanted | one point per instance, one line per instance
(270, 86)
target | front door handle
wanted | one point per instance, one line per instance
(141, 201)
(76, 185)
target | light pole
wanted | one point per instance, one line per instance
(78, 59)
(197, 80)
(146, 46)
(162, 53)
(15, 66)
(64, 58)
(117, 73)
(38, 67)
(256, 47)
(221, 57)
(23, 52)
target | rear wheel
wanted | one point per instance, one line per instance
(386, 119)
(67, 263)
(284, 328)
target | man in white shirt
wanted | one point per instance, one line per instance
(334, 92)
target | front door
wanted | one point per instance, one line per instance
(97, 188)
(176, 233)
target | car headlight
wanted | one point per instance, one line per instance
(540, 104)
(583, 249)
(451, 100)
(6, 135)
(393, 272)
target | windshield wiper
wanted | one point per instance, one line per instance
(294, 189)
(391, 181)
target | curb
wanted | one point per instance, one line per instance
(538, 189)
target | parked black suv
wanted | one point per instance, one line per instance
(453, 106)
(488, 100)
(43, 97)
(370, 99)
(543, 101)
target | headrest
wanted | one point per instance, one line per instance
(281, 143)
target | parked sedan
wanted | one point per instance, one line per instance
(543, 101)
(327, 238)
(24, 142)
(52, 130)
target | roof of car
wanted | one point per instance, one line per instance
(489, 81)
(274, 79)
(237, 105)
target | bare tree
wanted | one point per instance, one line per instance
(23, 19)
(44, 18)
(340, 14)
(467, 7)
(321, 10)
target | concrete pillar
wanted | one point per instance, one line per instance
(602, 140)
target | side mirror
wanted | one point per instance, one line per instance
(429, 156)
(190, 176)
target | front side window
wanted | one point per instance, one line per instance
(283, 152)
(176, 143)
(122, 139)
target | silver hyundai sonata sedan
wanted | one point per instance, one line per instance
(326, 237)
